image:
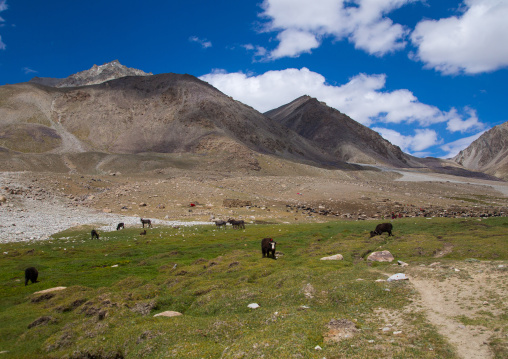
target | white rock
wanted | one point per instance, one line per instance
(253, 305)
(49, 290)
(317, 347)
(398, 276)
(397, 332)
(168, 313)
(336, 257)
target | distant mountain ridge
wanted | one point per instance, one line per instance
(93, 76)
(111, 109)
(488, 153)
(338, 134)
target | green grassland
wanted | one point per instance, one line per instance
(116, 284)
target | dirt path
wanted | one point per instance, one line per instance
(469, 291)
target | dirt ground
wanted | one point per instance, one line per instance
(461, 300)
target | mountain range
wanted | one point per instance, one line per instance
(111, 109)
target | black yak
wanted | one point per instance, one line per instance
(120, 225)
(221, 223)
(380, 228)
(267, 247)
(31, 274)
(95, 234)
(237, 224)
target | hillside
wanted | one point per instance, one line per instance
(489, 153)
(167, 113)
(339, 135)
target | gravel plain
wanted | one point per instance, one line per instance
(27, 217)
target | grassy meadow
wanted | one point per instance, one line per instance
(117, 284)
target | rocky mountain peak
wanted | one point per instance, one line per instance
(99, 74)
(488, 153)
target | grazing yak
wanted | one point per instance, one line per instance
(147, 222)
(380, 228)
(31, 274)
(237, 224)
(267, 247)
(120, 225)
(95, 234)
(221, 223)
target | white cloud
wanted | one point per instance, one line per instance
(421, 140)
(3, 7)
(362, 98)
(28, 70)
(203, 42)
(294, 42)
(259, 51)
(473, 42)
(453, 148)
(362, 22)
(456, 124)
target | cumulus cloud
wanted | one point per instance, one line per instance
(203, 42)
(362, 98)
(457, 124)
(302, 23)
(421, 140)
(472, 42)
(453, 148)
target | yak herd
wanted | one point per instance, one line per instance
(268, 245)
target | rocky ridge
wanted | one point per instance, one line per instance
(489, 153)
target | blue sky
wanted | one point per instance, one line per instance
(428, 75)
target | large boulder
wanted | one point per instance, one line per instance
(382, 256)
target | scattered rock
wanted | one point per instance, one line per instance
(340, 329)
(398, 276)
(402, 264)
(49, 290)
(336, 257)
(253, 305)
(309, 291)
(382, 256)
(168, 313)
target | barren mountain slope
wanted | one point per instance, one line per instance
(489, 153)
(338, 134)
(164, 113)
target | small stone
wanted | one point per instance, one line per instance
(397, 332)
(168, 313)
(317, 347)
(336, 257)
(253, 305)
